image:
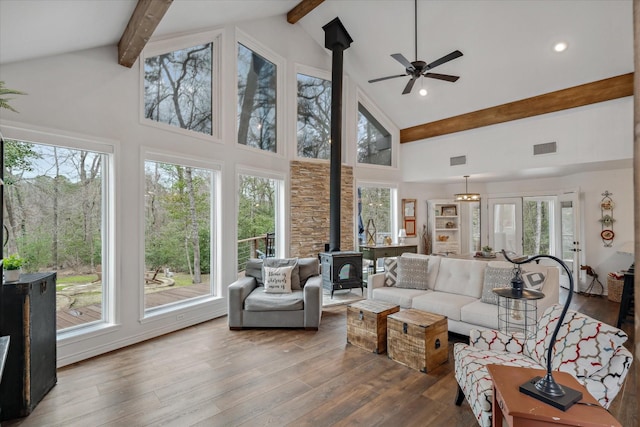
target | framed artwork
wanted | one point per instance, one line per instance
(409, 216)
(449, 211)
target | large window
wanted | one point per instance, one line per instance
(314, 117)
(178, 88)
(374, 141)
(258, 208)
(55, 213)
(375, 210)
(256, 100)
(179, 206)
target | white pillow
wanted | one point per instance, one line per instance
(277, 280)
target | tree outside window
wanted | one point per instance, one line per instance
(256, 100)
(256, 216)
(374, 141)
(178, 88)
(54, 217)
(314, 117)
(178, 206)
(376, 205)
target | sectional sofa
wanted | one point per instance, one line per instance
(458, 288)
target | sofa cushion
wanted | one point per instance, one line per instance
(308, 267)
(254, 269)
(481, 314)
(277, 280)
(434, 267)
(390, 271)
(286, 262)
(259, 300)
(583, 345)
(495, 277)
(442, 303)
(412, 273)
(394, 295)
(533, 280)
(459, 276)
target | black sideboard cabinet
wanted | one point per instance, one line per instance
(28, 316)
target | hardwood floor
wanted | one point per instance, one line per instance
(206, 375)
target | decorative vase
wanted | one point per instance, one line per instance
(12, 275)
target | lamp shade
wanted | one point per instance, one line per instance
(466, 196)
(402, 233)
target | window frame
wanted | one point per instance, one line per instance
(110, 149)
(394, 207)
(381, 118)
(253, 45)
(160, 47)
(215, 278)
(282, 200)
(311, 72)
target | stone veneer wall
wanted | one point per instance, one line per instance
(310, 208)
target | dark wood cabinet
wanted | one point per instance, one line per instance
(28, 316)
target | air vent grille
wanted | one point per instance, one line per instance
(458, 160)
(546, 148)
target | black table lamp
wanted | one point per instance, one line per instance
(546, 389)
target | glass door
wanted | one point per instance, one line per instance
(570, 251)
(505, 224)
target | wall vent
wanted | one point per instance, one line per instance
(546, 148)
(458, 160)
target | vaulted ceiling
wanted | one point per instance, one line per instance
(507, 45)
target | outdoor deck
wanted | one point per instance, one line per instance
(81, 315)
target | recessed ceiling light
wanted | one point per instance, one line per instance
(560, 47)
(423, 92)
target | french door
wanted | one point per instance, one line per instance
(569, 219)
(505, 224)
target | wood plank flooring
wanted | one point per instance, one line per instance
(206, 375)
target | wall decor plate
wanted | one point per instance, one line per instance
(607, 234)
(607, 205)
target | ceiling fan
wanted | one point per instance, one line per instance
(417, 69)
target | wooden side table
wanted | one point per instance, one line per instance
(519, 410)
(374, 252)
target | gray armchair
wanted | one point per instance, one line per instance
(250, 306)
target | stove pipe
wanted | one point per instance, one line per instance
(337, 40)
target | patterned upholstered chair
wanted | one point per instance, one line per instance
(588, 349)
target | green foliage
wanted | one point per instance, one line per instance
(4, 101)
(535, 225)
(12, 262)
(487, 249)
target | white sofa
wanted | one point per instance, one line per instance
(455, 289)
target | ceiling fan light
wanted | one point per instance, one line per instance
(423, 92)
(466, 196)
(560, 47)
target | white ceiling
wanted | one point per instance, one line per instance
(507, 45)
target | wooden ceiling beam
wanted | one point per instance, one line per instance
(301, 10)
(577, 96)
(143, 22)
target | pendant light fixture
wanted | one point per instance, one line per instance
(466, 196)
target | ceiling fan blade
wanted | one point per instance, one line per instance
(404, 61)
(386, 78)
(453, 55)
(409, 86)
(446, 77)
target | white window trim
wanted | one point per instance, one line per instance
(155, 155)
(280, 63)
(177, 43)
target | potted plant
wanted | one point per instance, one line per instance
(12, 267)
(487, 251)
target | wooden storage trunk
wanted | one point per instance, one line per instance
(417, 339)
(367, 324)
